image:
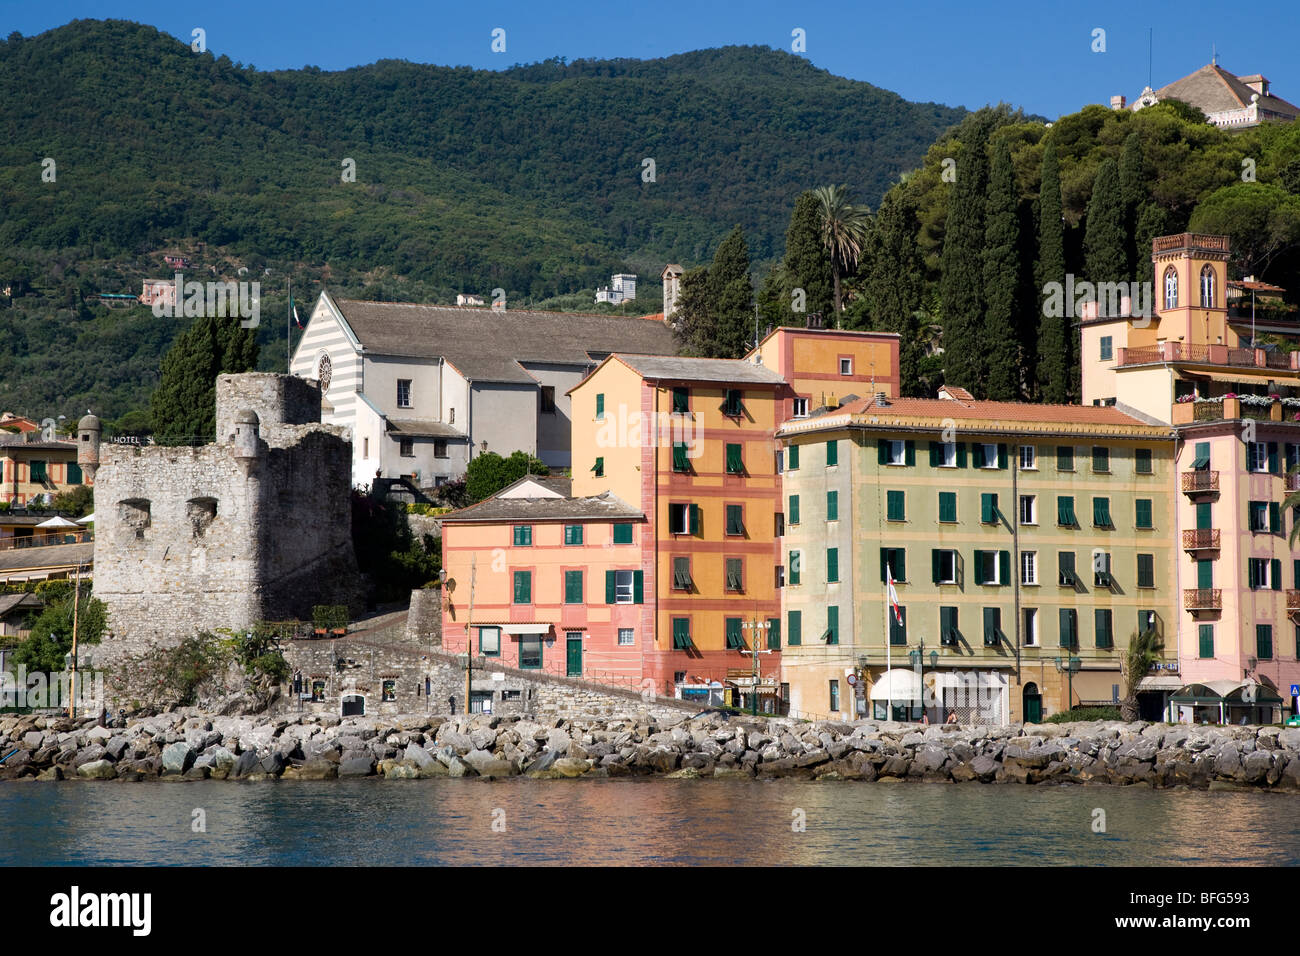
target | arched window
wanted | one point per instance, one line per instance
(1207, 288)
(1171, 288)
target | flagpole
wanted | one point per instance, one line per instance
(889, 657)
(288, 332)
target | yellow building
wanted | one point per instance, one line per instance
(37, 470)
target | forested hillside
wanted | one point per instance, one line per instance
(529, 179)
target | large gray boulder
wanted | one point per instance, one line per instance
(357, 767)
(487, 765)
(177, 757)
(97, 770)
(245, 764)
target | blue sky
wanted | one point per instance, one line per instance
(1037, 55)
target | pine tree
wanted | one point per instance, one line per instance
(807, 265)
(1103, 242)
(1001, 278)
(184, 406)
(962, 266)
(1054, 358)
(715, 314)
(892, 274)
(1133, 192)
(1151, 220)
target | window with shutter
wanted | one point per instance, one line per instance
(793, 511)
(681, 462)
(523, 535)
(681, 400)
(1068, 626)
(735, 574)
(832, 453)
(735, 460)
(988, 508)
(1065, 511)
(897, 629)
(894, 506)
(795, 569)
(600, 406)
(832, 565)
(1142, 509)
(948, 633)
(794, 637)
(598, 469)
(948, 507)
(1146, 570)
(523, 587)
(992, 626)
(1101, 513)
(735, 519)
(1258, 512)
(681, 633)
(832, 506)
(1102, 622)
(622, 533)
(1065, 458)
(1100, 459)
(1065, 569)
(573, 534)
(734, 640)
(572, 587)
(832, 624)
(75, 476)
(773, 633)
(731, 405)
(1206, 636)
(681, 574)
(1142, 461)
(1264, 642)
(792, 458)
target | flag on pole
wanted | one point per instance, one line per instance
(293, 310)
(893, 595)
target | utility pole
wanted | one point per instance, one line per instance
(469, 637)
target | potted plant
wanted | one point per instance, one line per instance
(321, 618)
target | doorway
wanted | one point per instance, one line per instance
(1033, 704)
(354, 705)
(573, 659)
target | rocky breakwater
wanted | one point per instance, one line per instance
(186, 745)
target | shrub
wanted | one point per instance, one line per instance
(1084, 713)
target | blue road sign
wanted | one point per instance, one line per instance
(1295, 690)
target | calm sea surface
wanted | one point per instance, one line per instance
(637, 821)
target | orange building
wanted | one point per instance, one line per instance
(31, 470)
(544, 581)
(822, 366)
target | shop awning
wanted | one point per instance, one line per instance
(1160, 683)
(1232, 692)
(897, 684)
(527, 627)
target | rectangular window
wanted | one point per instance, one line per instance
(832, 565)
(1031, 626)
(1257, 573)
(1146, 621)
(799, 408)
(530, 652)
(572, 587)
(988, 508)
(1257, 456)
(1206, 634)
(1142, 461)
(1106, 351)
(626, 587)
(1258, 513)
(1069, 627)
(600, 406)
(573, 534)
(897, 627)
(1029, 509)
(681, 574)
(832, 506)
(735, 641)
(949, 632)
(1028, 567)
(832, 453)
(1065, 458)
(403, 393)
(794, 626)
(548, 400)
(1142, 507)
(894, 506)
(74, 474)
(681, 400)
(439, 448)
(832, 624)
(948, 507)
(1100, 459)
(896, 453)
(735, 519)
(683, 519)
(846, 366)
(986, 455)
(992, 567)
(735, 574)
(1028, 458)
(622, 533)
(1101, 569)
(731, 404)
(523, 587)
(1065, 512)
(943, 566)
(626, 637)
(1066, 576)
(992, 626)
(773, 633)
(795, 567)
(489, 641)
(405, 448)
(523, 535)
(835, 696)
(1264, 641)
(1103, 627)
(598, 469)
(792, 453)
(779, 523)
(943, 454)
(896, 560)
(1101, 513)
(681, 458)
(735, 459)
(1146, 570)
(793, 511)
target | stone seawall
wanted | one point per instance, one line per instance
(185, 745)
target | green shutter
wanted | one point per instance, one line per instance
(979, 567)
(832, 564)
(894, 504)
(1142, 461)
(610, 591)
(1276, 574)
(680, 460)
(1146, 570)
(695, 519)
(934, 565)
(1065, 511)
(600, 405)
(793, 458)
(681, 633)
(735, 525)
(1202, 458)
(936, 454)
(1067, 627)
(1002, 455)
(1204, 574)
(992, 626)
(832, 453)
(36, 470)
(572, 587)
(523, 587)
(1102, 623)
(832, 624)
(735, 460)
(1065, 568)
(1274, 517)
(74, 474)
(622, 533)
(977, 455)
(794, 509)
(773, 633)
(832, 506)
(794, 567)
(599, 468)
(897, 631)
(1206, 640)
(1203, 516)
(1065, 458)
(734, 641)
(988, 508)
(1004, 567)
(1143, 510)
(1100, 458)
(948, 506)
(961, 454)
(638, 587)
(909, 452)
(1101, 512)
(900, 564)
(1264, 641)
(795, 636)
(1272, 458)
(681, 400)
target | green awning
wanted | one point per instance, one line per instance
(1201, 462)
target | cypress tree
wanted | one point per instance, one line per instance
(1152, 220)
(1054, 359)
(733, 297)
(184, 405)
(962, 267)
(807, 264)
(1001, 278)
(892, 274)
(1103, 241)
(1133, 192)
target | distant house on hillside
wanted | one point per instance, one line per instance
(177, 261)
(158, 290)
(622, 289)
(425, 387)
(1228, 101)
(463, 299)
(17, 423)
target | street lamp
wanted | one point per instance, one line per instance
(1071, 667)
(917, 657)
(757, 639)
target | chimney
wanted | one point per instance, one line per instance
(1256, 82)
(814, 320)
(881, 401)
(1118, 102)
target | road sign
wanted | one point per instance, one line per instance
(853, 679)
(1295, 690)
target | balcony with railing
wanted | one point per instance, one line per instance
(45, 540)
(1200, 482)
(1201, 539)
(1220, 355)
(1263, 408)
(1292, 600)
(1203, 599)
(1196, 241)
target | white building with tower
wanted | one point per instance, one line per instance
(622, 288)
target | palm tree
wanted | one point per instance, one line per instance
(1143, 650)
(843, 230)
(1292, 501)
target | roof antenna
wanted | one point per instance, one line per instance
(1150, 31)
(1214, 55)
